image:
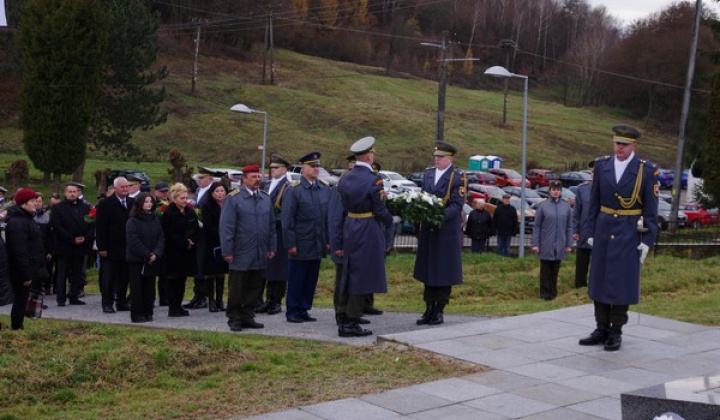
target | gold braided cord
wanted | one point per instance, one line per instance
(447, 194)
(278, 200)
(627, 203)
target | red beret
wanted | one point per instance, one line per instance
(250, 169)
(25, 195)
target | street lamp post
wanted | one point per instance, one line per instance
(502, 72)
(245, 110)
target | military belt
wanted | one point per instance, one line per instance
(621, 212)
(366, 215)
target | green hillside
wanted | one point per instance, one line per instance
(324, 105)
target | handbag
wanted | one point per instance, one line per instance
(34, 304)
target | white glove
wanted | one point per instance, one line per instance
(397, 219)
(590, 242)
(643, 252)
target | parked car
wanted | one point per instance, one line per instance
(480, 177)
(394, 182)
(531, 197)
(541, 177)
(417, 178)
(142, 176)
(684, 179)
(698, 216)
(507, 177)
(666, 177)
(338, 172)
(567, 195)
(324, 174)
(664, 215)
(570, 179)
(235, 175)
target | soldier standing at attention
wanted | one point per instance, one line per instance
(622, 226)
(305, 236)
(363, 241)
(438, 263)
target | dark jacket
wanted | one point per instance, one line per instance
(6, 293)
(505, 220)
(479, 225)
(110, 227)
(304, 220)
(211, 222)
(179, 261)
(144, 235)
(42, 218)
(67, 221)
(26, 255)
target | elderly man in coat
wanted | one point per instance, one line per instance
(438, 263)
(552, 238)
(622, 226)
(363, 237)
(247, 241)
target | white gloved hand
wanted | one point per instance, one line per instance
(397, 219)
(643, 252)
(590, 242)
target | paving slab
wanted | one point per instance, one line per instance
(406, 400)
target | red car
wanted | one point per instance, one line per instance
(698, 216)
(507, 177)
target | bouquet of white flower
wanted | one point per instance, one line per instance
(418, 207)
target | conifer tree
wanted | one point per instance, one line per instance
(711, 153)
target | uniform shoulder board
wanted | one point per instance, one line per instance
(601, 158)
(234, 192)
(265, 192)
(295, 183)
(324, 182)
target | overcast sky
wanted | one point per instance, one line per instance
(629, 10)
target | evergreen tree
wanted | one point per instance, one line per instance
(711, 153)
(63, 44)
(127, 101)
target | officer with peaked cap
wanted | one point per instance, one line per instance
(622, 226)
(276, 274)
(438, 263)
(305, 236)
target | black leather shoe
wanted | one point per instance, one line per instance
(163, 303)
(81, 294)
(614, 341)
(436, 319)
(599, 336)
(139, 319)
(372, 311)
(362, 321)
(352, 330)
(308, 318)
(220, 305)
(212, 306)
(61, 303)
(295, 319)
(262, 308)
(108, 309)
(175, 314)
(425, 318)
(76, 302)
(235, 327)
(275, 308)
(251, 324)
(122, 307)
(196, 303)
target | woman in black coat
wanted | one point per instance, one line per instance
(6, 293)
(145, 244)
(181, 230)
(214, 270)
(26, 254)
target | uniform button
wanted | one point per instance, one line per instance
(612, 236)
(616, 194)
(615, 215)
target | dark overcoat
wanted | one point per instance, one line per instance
(6, 292)
(304, 219)
(277, 269)
(211, 239)
(110, 221)
(178, 227)
(580, 214)
(438, 261)
(361, 193)
(247, 230)
(336, 224)
(144, 236)
(552, 231)
(26, 254)
(615, 266)
(67, 221)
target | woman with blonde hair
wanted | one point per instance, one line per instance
(181, 230)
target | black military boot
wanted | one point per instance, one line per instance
(599, 336)
(350, 328)
(614, 339)
(425, 318)
(212, 305)
(436, 317)
(219, 290)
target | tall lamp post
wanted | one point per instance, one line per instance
(502, 72)
(245, 110)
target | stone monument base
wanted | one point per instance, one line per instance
(696, 398)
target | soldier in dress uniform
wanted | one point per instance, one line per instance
(438, 263)
(305, 236)
(363, 240)
(276, 274)
(622, 226)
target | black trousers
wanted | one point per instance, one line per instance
(479, 245)
(17, 313)
(437, 294)
(369, 302)
(275, 291)
(176, 293)
(244, 289)
(114, 284)
(611, 315)
(582, 263)
(351, 306)
(162, 289)
(142, 292)
(548, 279)
(69, 268)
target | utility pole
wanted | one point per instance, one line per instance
(265, 47)
(197, 23)
(680, 156)
(439, 135)
(272, 51)
(507, 45)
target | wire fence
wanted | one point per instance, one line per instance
(696, 243)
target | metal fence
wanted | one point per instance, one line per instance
(702, 242)
(408, 243)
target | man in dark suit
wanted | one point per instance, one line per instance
(439, 263)
(72, 238)
(204, 180)
(112, 214)
(622, 226)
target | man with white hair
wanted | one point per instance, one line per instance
(479, 226)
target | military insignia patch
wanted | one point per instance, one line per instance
(461, 191)
(657, 189)
(234, 192)
(379, 182)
